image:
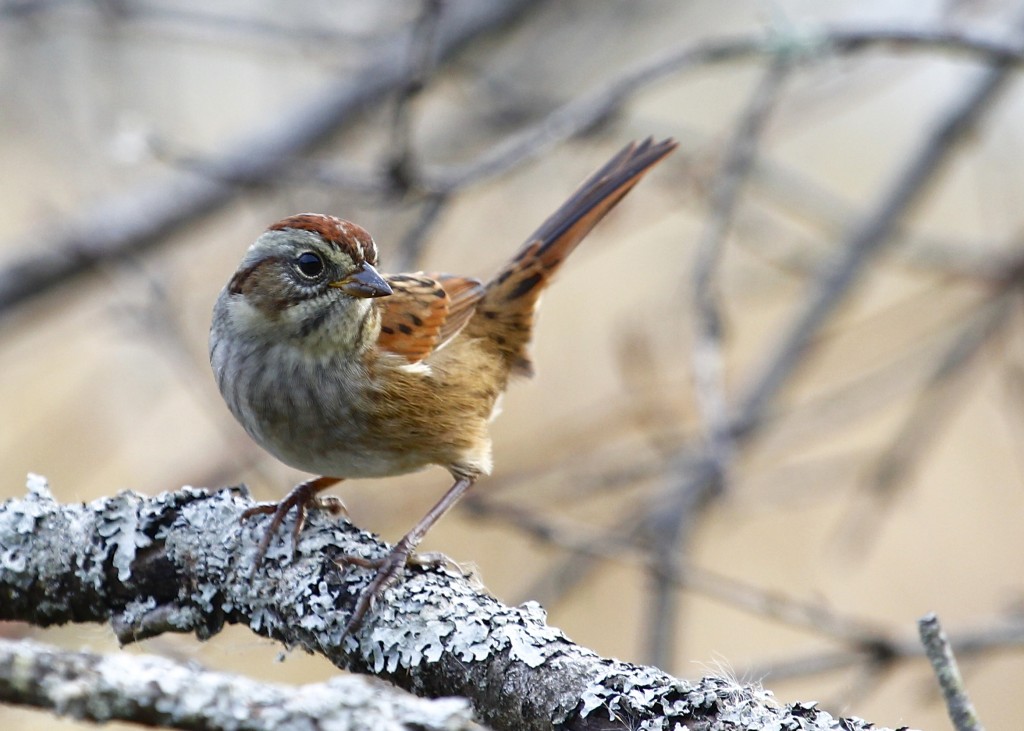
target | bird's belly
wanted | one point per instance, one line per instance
(331, 418)
(336, 460)
(339, 447)
(316, 419)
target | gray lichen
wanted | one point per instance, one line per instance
(657, 702)
(418, 628)
(135, 688)
(183, 561)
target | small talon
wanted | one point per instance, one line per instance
(302, 498)
(333, 505)
(261, 509)
(389, 568)
(401, 555)
(435, 560)
(361, 562)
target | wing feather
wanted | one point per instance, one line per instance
(425, 312)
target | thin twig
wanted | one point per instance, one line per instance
(772, 605)
(645, 405)
(207, 25)
(836, 279)
(707, 361)
(940, 654)
(401, 158)
(409, 252)
(984, 640)
(905, 368)
(587, 110)
(697, 483)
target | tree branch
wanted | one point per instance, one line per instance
(159, 692)
(181, 562)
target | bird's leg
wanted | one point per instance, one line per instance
(303, 497)
(390, 566)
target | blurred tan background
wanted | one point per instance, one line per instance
(886, 480)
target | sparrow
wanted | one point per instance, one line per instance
(341, 371)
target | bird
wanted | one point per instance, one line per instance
(341, 371)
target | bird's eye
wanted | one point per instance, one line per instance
(309, 265)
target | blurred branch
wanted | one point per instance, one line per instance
(154, 691)
(839, 274)
(409, 252)
(672, 526)
(588, 109)
(182, 562)
(940, 654)
(645, 387)
(997, 637)
(775, 187)
(422, 48)
(906, 368)
(142, 219)
(593, 470)
(869, 646)
(796, 194)
(206, 24)
(401, 162)
(771, 605)
(707, 362)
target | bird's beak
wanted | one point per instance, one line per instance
(364, 282)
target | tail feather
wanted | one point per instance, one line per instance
(505, 313)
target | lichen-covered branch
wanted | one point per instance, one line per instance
(159, 692)
(182, 562)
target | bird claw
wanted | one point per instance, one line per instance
(302, 498)
(330, 504)
(389, 569)
(432, 560)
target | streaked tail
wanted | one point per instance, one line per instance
(505, 313)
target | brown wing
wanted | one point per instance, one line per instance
(425, 312)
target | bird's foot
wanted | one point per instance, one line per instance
(303, 498)
(389, 570)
